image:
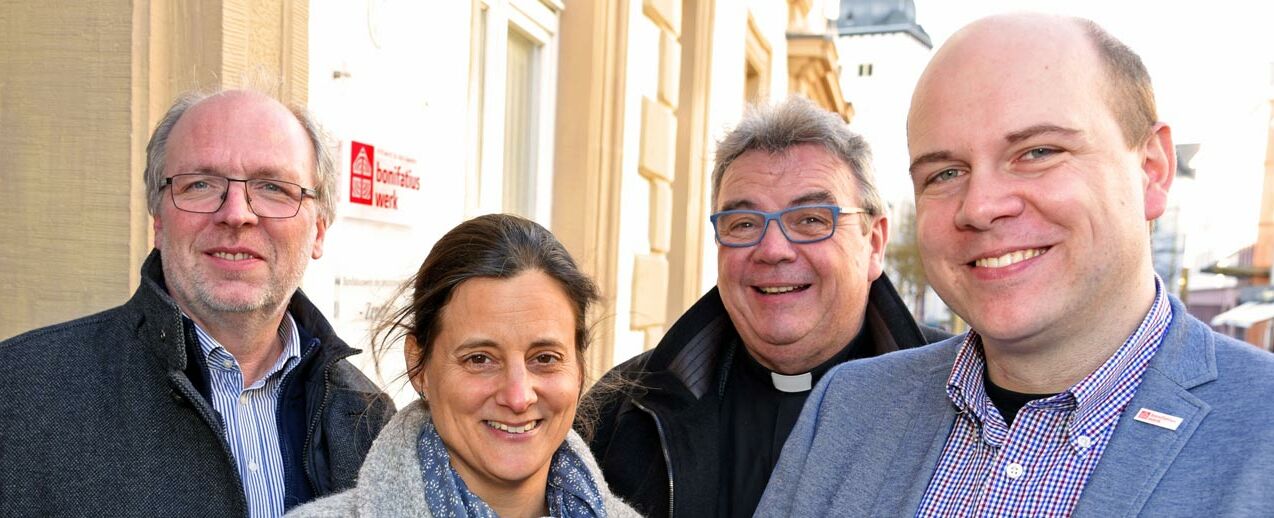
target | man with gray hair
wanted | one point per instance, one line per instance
(218, 389)
(701, 418)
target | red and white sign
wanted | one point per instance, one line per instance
(382, 185)
(361, 178)
(1159, 419)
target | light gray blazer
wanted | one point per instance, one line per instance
(859, 449)
(390, 484)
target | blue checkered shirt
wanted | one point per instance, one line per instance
(250, 415)
(1039, 466)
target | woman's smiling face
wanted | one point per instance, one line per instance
(503, 379)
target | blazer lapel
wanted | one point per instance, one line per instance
(921, 447)
(1139, 453)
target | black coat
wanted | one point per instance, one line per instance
(108, 415)
(656, 438)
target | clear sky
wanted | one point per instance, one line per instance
(1211, 66)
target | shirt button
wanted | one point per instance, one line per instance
(253, 466)
(227, 364)
(1083, 441)
(243, 399)
(1014, 471)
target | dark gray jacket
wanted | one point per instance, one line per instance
(107, 415)
(657, 440)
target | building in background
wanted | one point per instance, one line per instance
(1246, 311)
(596, 119)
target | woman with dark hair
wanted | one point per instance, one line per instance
(495, 338)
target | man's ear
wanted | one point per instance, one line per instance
(157, 226)
(879, 238)
(1159, 167)
(317, 250)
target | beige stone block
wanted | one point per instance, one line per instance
(653, 335)
(660, 216)
(66, 81)
(669, 70)
(658, 140)
(666, 13)
(650, 291)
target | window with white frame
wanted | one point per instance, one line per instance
(513, 70)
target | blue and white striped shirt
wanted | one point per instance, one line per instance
(250, 415)
(1040, 465)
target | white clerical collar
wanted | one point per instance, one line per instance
(796, 383)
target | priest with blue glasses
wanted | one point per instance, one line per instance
(697, 423)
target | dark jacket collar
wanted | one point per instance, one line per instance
(691, 350)
(159, 322)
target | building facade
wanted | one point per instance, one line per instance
(596, 119)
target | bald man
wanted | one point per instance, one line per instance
(1084, 387)
(218, 389)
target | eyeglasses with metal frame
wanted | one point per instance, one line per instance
(799, 224)
(267, 198)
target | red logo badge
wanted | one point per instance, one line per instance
(362, 167)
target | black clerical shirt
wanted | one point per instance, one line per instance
(756, 419)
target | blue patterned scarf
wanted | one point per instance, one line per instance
(571, 491)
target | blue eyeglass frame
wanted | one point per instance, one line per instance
(776, 217)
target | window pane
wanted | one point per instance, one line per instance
(477, 105)
(520, 125)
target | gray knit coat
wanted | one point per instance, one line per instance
(390, 483)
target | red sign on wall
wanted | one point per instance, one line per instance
(361, 173)
(383, 185)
